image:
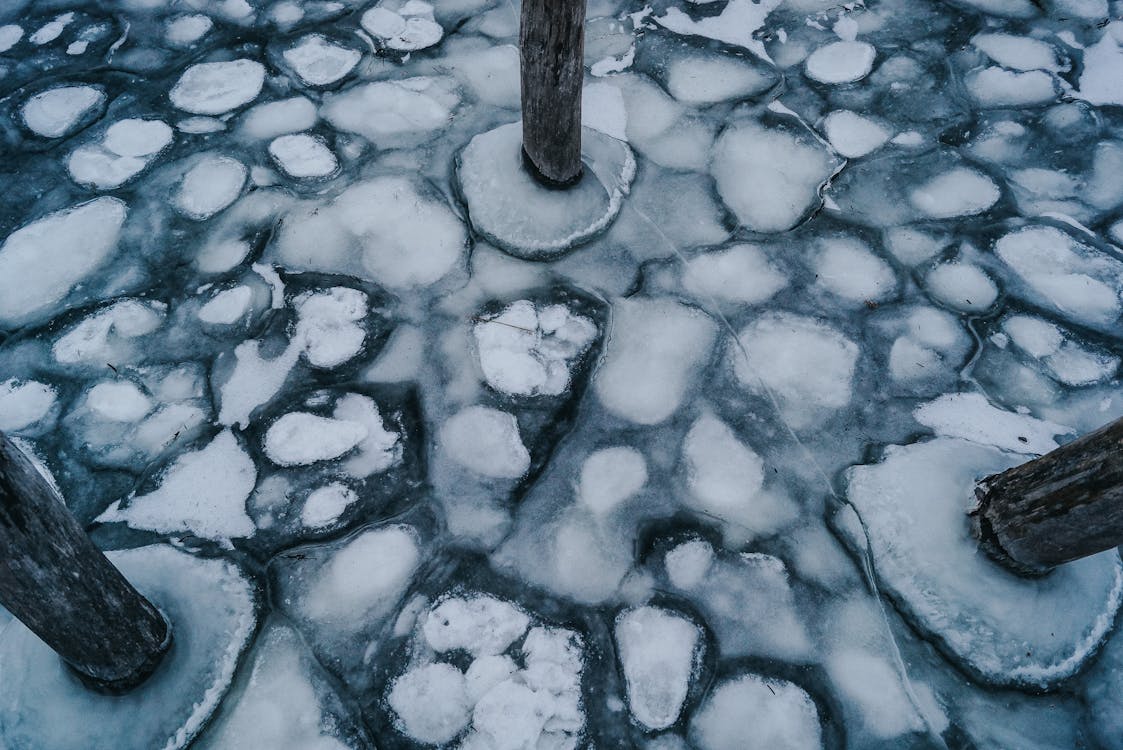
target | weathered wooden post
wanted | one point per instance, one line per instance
(552, 51)
(1063, 506)
(55, 581)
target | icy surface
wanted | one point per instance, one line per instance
(517, 467)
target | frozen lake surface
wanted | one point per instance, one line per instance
(676, 459)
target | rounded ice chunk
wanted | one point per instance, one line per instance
(1008, 629)
(512, 209)
(404, 112)
(807, 365)
(317, 61)
(658, 651)
(654, 352)
(431, 703)
(708, 79)
(485, 441)
(303, 155)
(137, 137)
(387, 229)
(959, 191)
(41, 262)
(481, 625)
(998, 87)
(10, 34)
(840, 62)
(328, 324)
(23, 403)
(962, 286)
(740, 274)
(751, 712)
(404, 27)
(215, 88)
(324, 505)
(300, 438)
(770, 177)
(271, 119)
(183, 31)
(528, 350)
(58, 111)
(212, 184)
(611, 476)
(211, 607)
(119, 401)
(847, 268)
(853, 135)
(688, 563)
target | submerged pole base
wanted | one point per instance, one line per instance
(46, 705)
(547, 181)
(129, 682)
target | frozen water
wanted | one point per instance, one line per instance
(58, 111)
(1006, 629)
(203, 493)
(806, 365)
(526, 350)
(751, 712)
(770, 177)
(494, 180)
(658, 651)
(485, 441)
(403, 26)
(303, 155)
(209, 186)
(41, 262)
(841, 62)
(211, 605)
(319, 62)
(217, 87)
(539, 469)
(654, 351)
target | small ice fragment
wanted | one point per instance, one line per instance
(756, 713)
(807, 365)
(841, 62)
(42, 261)
(657, 651)
(203, 492)
(120, 401)
(430, 703)
(227, 307)
(10, 34)
(300, 438)
(959, 191)
(320, 62)
(962, 286)
(609, 477)
(211, 185)
(688, 563)
(324, 505)
(998, 87)
(1017, 52)
(183, 31)
(528, 350)
(406, 27)
(654, 352)
(486, 441)
(853, 135)
(217, 87)
(480, 625)
(51, 30)
(740, 274)
(57, 111)
(303, 155)
(971, 416)
(328, 325)
(1100, 82)
(23, 403)
(271, 119)
(846, 267)
(137, 137)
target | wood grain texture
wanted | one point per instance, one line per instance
(552, 51)
(1066, 505)
(58, 584)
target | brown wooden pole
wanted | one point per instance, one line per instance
(1066, 505)
(552, 51)
(57, 583)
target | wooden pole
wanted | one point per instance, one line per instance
(1066, 505)
(57, 583)
(552, 51)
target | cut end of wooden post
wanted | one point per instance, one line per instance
(548, 181)
(121, 684)
(988, 539)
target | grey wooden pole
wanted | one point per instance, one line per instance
(57, 583)
(552, 51)
(1063, 506)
